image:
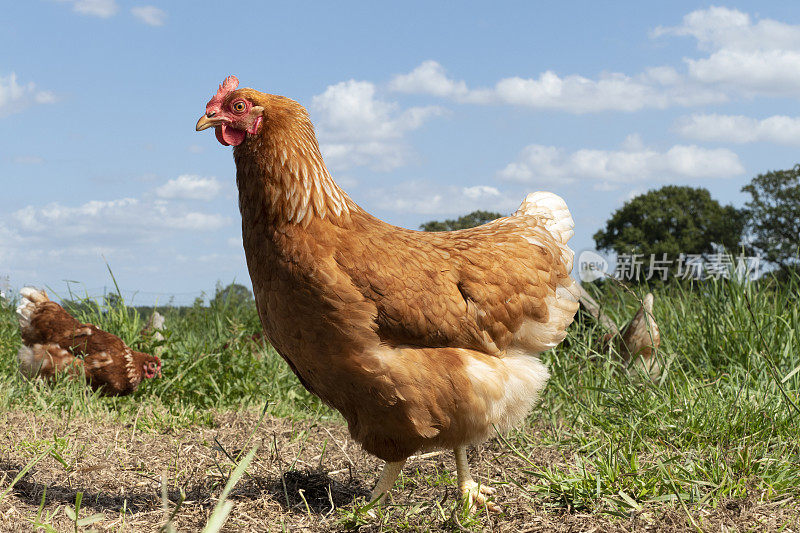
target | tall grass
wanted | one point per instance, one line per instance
(721, 422)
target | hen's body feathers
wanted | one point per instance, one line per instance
(421, 340)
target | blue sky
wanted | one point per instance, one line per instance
(423, 110)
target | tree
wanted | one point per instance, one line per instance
(774, 215)
(234, 294)
(113, 300)
(672, 220)
(476, 218)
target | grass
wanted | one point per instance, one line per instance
(715, 440)
(721, 423)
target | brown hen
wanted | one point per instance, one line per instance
(54, 342)
(421, 340)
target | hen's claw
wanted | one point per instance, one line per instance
(475, 494)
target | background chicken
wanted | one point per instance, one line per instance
(55, 342)
(637, 343)
(420, 340)
(153, 331)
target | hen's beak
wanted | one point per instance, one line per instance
(208, 122)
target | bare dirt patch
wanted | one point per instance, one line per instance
(306, 476)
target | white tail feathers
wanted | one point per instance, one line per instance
(557, 219)
(551, 229)
(35, 295)
(552, 207)
(27, 305)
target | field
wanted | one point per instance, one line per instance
(713, 445)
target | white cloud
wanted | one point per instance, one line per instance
(429, 78)
(10, 241)
(575, 93)
(778, 129)
(60, 241)
(95, 8)
(190, 187)
(146, 234)
(657, 87)
(107, 220)
(721, 27)
(150, 15)
(480, 191)
(428, 199)
(195, 221)
(15, 97)
(122, 225)
(760, 57)
(548, 165)
(27, 160)
(356, 128)
(740, 56)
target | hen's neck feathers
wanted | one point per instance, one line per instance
(282, 167)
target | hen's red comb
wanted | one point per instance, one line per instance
(228, 86)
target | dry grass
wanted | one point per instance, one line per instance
(307, 476)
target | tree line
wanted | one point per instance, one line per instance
(676, 220)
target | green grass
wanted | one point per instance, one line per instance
(720, 423)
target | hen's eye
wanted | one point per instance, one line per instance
(239, 106)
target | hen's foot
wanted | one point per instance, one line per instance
(475, 495)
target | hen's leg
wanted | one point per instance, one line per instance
(386, 481)
(474, 493)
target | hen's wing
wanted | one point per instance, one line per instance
(502, 286)
(43, 321)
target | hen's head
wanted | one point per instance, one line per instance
(151, 366)
(234, 113)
